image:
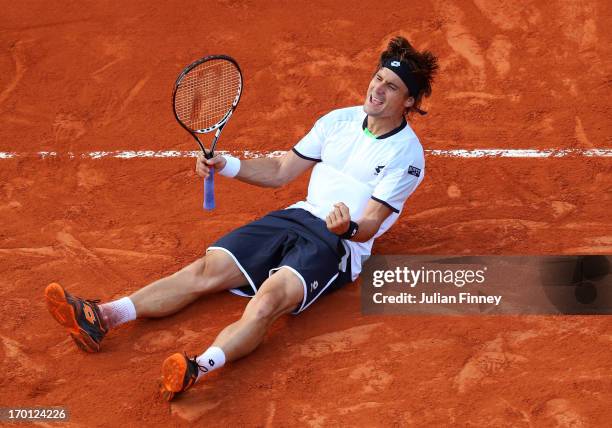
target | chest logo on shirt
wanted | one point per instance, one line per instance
(378, 169)
(412, 170)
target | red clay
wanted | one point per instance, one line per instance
(98, 76)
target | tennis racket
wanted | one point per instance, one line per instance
(205, 95)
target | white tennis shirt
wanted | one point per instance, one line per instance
(353, 167)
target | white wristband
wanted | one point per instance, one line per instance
(231, 168)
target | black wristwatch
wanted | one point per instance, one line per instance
(352, 231)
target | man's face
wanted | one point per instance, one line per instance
(387, 95)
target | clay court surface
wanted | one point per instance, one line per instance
(78, 77)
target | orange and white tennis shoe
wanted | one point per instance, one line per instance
(82, 318)
(179, 373)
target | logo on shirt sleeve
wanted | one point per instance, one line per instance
(413, 170)
(378, 169)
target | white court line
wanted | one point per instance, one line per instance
(454, 153)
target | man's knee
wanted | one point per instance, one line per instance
(279, 294)
(203, 278)
(264, 307)
(216, 271)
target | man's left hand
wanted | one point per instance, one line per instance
(338, 219)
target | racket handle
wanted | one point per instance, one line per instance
(209, 191)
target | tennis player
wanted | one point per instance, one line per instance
(366, 162)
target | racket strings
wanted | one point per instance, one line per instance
(206, 93)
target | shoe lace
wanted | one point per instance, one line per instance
(95, 304)
(194, 361)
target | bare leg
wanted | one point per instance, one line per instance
(278, 295)
(214, 272)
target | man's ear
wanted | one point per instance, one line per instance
(409, 102)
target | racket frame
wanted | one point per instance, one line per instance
(220, 124)
(209, 198)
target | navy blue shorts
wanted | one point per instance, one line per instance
(291, 238)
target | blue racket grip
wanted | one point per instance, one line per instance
(209, 191)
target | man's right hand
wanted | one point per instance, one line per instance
(204, 165)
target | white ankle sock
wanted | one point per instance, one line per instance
(212, 359)
(119, 311)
